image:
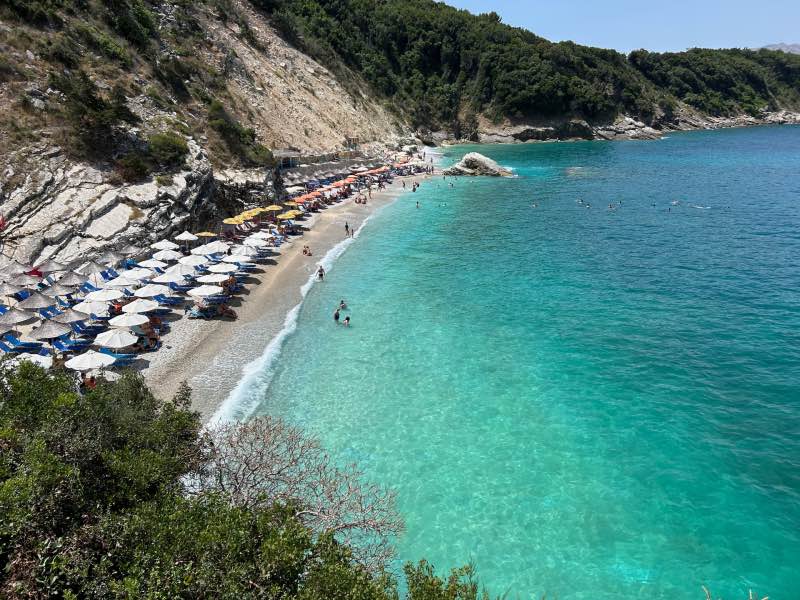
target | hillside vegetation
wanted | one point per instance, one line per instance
(202, 68)
(445, 64)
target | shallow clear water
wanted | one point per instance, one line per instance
(585, 402)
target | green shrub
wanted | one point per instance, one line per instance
(92, 117)
(240, 140)
(63, 49)
(94, 504)
(167, 149)
(134, 167)
(102, 43)
(132, 20)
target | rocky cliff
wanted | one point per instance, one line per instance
(57, 204)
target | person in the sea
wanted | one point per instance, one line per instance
(347, 321)
(336, 316)
(342, 304)
(320, 273)
(417, 204)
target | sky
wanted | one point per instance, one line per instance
(666, 25)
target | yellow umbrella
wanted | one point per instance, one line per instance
(285, 216)
(206, 234)
(294, 213)
(273, 207)
(290, 203)
(233, 221)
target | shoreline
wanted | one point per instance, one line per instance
(219, 357)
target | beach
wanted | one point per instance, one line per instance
(211, 355)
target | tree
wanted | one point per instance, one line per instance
(265, 461)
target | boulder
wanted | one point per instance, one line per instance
(474, 164)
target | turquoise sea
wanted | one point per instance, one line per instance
(587, 402)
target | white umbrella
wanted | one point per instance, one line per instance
(211, 248)
(140, 305)
(223, 268)
(115, 338)
(128, 320)
(104, 295)
(43, 361)
(256, 243)
(213, 278)
(182, 270)
(193, 260)
(205, 290)
(90, 360)
(167, 255)
(171, 277)
(152, 263)
(186, 237)
(164, 245)
(238, 258)
(140, 274)
(121, 282)
(92, 307)
(262, 235)
(243, 251)
(152, 289)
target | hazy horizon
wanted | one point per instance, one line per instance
(626, 25)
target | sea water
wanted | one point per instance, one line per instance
(584, 379)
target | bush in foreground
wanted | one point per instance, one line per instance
(111, 494)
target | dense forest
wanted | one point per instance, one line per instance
(434, 65)
(445, 64)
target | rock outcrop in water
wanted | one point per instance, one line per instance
(474, 164)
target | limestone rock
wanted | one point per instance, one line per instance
(475, 164)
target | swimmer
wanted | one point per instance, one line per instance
(347, 321)
(336, 316)
(342, 305)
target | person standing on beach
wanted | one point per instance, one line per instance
(346, 229)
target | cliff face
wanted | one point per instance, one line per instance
(58, 205)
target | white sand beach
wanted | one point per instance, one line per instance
(211, 355)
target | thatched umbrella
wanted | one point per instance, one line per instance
(25, 281)
(15, 268)
(69, 316)
(72, 279)
(36, 301)
(91, 266)
(15, 316)
(58, 290)
(110, 257)
(50, 266)
(49, 330)
(130, 250)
